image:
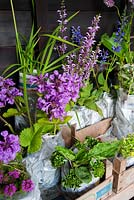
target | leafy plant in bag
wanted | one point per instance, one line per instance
(84, 160)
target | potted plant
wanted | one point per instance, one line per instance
(82, 165)
(42, 132)
(15, 180)
(119, 45)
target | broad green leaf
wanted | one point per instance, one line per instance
(93, 106)
(81, 101)
(26, 137)
(101, 79)
(11, 112)
(83, 174)
(67, 153)
(86, 91)
(36, 143)
(46, 128)
(105, 149)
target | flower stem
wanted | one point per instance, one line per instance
(7, 124)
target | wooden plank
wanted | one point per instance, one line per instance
(41, 18)
(125, 194)
(18, 5)
(102, 191)
(7, 57)
(72, 5)
(7, 34)
(93, 130)
(119, 165)
(122, 180)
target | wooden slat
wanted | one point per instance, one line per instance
(41, 18)
(72, 5)
(7, 57)
(7, 34)
(126, 194)
(18, 5)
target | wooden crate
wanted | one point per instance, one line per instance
(123, 177)
(93, 130)
(125, 194)
(104, 189)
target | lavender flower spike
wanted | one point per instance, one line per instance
(109, 3)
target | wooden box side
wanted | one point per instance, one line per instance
(101, 191)
(93, 130)
(119, 164)
(123, 180)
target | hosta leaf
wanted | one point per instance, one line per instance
(10, 112)
(83, 174)
(26, 137)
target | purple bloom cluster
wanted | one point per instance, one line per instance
(76, 35)
(82, 62)
(8, 147)
(11, 186)
(27, 185)
(61, 47)
(14, 174)
(109, 3)
(10, 190)
(7, 92)
(56, 90)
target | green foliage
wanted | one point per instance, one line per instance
(71, 180)
(84, 159)
(88, 143)
(127, 146)
(31, 138)
(88, 98)
(123, 58)
(57, 159)
(84, 174)
(105, 149)
(98, 167)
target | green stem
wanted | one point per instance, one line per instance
(55, 128)
(95, 77)
(26, 96)
(7, 124)
(77, 118)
